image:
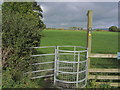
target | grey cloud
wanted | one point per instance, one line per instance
(67, 14)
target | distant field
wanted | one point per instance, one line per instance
(102, 42)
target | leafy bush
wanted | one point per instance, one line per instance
(21, 26)
(9, 82)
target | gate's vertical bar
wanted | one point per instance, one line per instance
(86, 68)
(89, 32)
(74, 52)
(57, 60)
(77, 79)
(55, 66)
(74, 58)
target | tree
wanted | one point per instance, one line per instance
(21, 27)
(113, 29)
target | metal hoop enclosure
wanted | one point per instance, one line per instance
(68, 65)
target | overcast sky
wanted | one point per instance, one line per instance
(69, 14)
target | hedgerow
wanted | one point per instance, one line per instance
(21, 26)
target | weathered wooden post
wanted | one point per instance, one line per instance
(89, 33)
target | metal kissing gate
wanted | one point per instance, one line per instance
(67, 65)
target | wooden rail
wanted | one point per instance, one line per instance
(111, 84)
(105, 77)
(105, 70)
(115, 84)
(103, 56)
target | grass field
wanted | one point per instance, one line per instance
(102, 42)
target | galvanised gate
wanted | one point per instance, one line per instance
(66, 64)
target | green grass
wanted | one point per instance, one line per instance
(102, 42)
(57, 37)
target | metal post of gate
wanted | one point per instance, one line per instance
(86, 67)
(57, 61)
(74, 58)
(78, 64)
(55, 66)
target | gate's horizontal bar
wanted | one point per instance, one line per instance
(71, 46)
(71, 72)
(42, 63)
(67, 54)
(40, 70)
(43, 76)
(70, 54)
(65, 67)
(54, 54)
(42, 55)
(58, 46)
(72, 61)
(71, 82)
(71, 51)
(45, 47)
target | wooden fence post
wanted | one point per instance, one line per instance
(89, 32)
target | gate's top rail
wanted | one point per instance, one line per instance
(58, 46)
(72, 46)
(60, 49)
(44, 47)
